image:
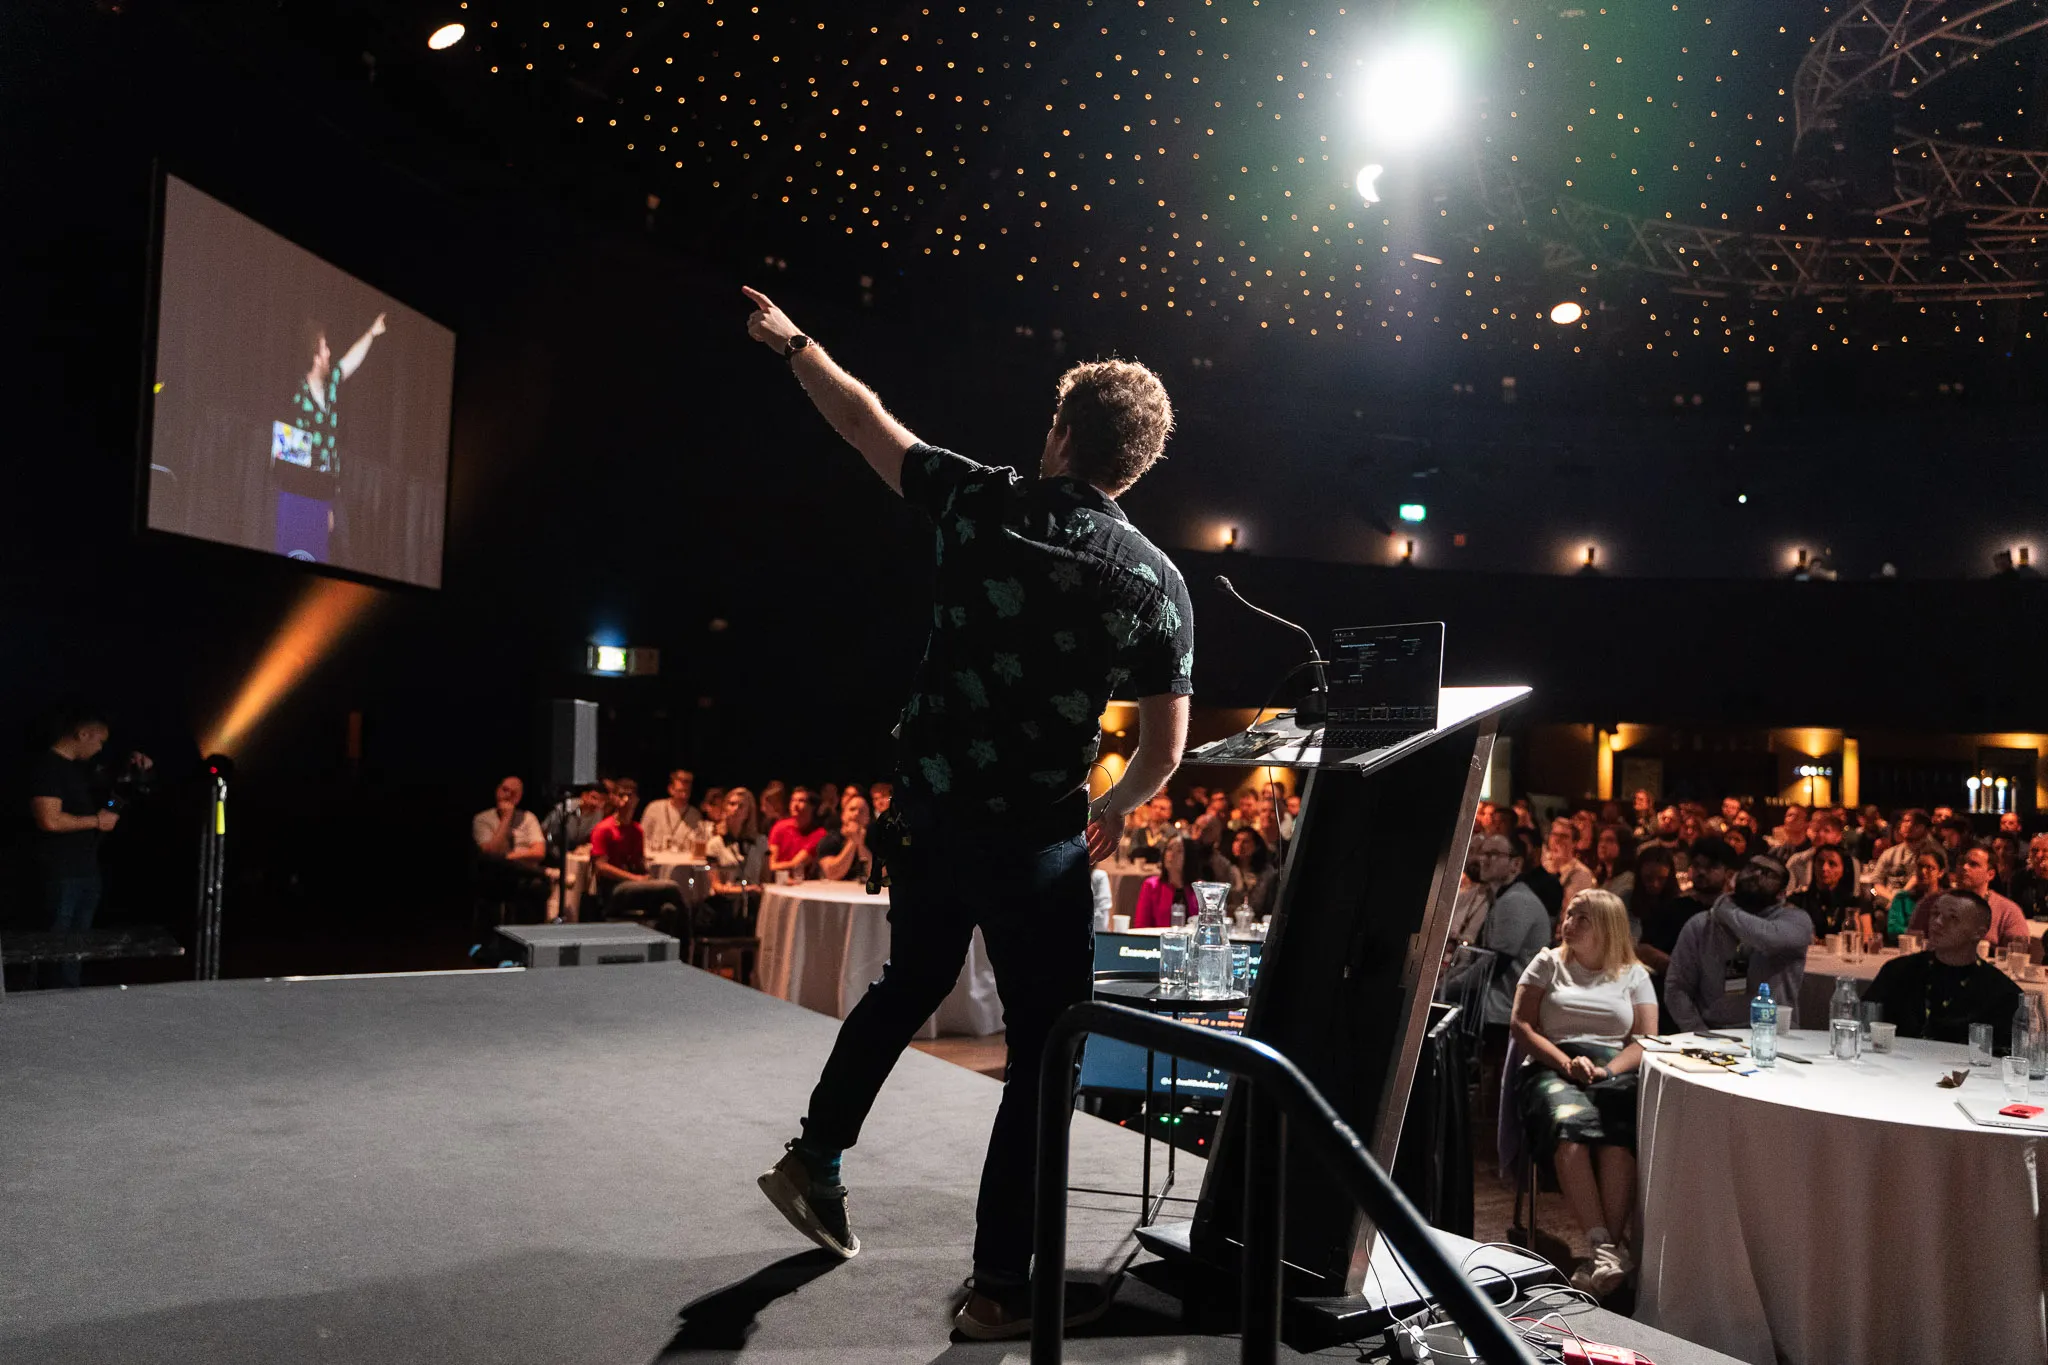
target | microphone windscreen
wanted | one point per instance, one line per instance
(1224, 583)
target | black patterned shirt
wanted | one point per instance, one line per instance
(1047, 602)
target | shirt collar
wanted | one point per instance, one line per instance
(1085, 494)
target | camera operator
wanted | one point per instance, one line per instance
(70, 816)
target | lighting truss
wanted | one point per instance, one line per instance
(1899, 48)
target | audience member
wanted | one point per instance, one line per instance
(1167, 889)
(1150, 838)
(1268, 828)
(1738, 840)
(507, 833)
(2009, 822)
(2030, 884)
(1940, 992)
(1664, 832)
(1650, 900)
(1579, 1009)
(1930, 876)
(673, 824)
(1896, 865)
(793, 840)
(1538, 878)
(1792, 836)
(1713, 863)
(1584, 827)
(2008, 860)
(1517, 926)
(1469, 906)
(1502, 822)
(712, 808)
(1751, 937)
(738, 854)
(1872, 835)
(618, 855)
(828, 802)
(1823, 831)
(1831, 899)
(1955, 834)
(1643, 815)
(773, 803)
(1285, 807)
(1971, 873)
(1561, 860)
(568, 827)
(879, 797)
(843, 854)
(1253, 878)
(1613, 865)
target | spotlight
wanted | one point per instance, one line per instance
(1566, 313)
(1409, 91)
(446, 36)
(1368, 182)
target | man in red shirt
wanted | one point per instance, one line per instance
(618, 853)
(793, 841)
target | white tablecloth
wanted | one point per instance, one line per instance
(1840, 1214)
(691, 874)
(823, 942)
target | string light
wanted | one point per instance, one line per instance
(1198, 160)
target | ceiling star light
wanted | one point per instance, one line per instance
(1566, 313)
(1409, 93)
(446, 36)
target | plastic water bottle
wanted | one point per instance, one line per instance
(1210, 951)
(1763, 1027)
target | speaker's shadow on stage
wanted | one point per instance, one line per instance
(723, 1319)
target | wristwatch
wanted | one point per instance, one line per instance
(796, 343)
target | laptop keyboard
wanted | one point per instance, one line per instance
(1364, 737)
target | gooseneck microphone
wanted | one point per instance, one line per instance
(1313, 709)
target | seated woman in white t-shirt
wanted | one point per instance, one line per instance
(1579, 1009)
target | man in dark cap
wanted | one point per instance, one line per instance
(1749, 939)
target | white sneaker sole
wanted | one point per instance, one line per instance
(794, 1205)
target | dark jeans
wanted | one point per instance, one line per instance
(1032, 904)
(649, 899)
(70, 903)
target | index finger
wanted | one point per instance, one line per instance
(761, 300)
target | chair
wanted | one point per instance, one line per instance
(731, 957)
(1465, 983)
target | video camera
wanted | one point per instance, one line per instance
(132, 781)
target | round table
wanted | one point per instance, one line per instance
(823, 942)
(1840, 1212)
(1823, 967)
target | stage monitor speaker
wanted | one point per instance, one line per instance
(589, 945)
(572, 743)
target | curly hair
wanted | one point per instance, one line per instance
(1118, 416)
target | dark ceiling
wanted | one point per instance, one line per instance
(1693, 175)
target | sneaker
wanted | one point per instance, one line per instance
(817, 1211)
(995, 1315)
(1612, 1266)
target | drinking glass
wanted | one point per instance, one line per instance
(1852, 946)
(1871, 1012)
(1980, 1046)
(2016, 963)
(1173, 958)
(1873, 945)
(2015, 1069)
(1240, 969)
(1846, 1037)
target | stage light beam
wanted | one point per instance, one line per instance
(328, 610)
(1410, 93)
(446, 36)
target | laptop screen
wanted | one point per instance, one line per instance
(1387, 675)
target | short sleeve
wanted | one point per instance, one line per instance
(933, 477)
(528, 833)
(481, 827)
(1639, 987)
(1160, 659)
(1541, 971)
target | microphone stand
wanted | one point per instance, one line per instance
(1313, 709)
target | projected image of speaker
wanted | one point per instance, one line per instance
(292, 408)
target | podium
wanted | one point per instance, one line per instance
(1351, 962)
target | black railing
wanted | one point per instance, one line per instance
(1275, 1091)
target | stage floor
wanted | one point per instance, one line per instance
(548, 1166)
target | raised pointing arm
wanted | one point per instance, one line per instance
(353, 358)
(849, 405)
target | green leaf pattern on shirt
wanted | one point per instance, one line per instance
(1007, 595)
(1065, 640)
(982, 752)
(1008, 667)
(1072, 706)
(969, 683)
(938, 774)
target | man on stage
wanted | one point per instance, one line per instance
(1047, 600)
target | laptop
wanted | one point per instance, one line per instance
(1384, 682)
